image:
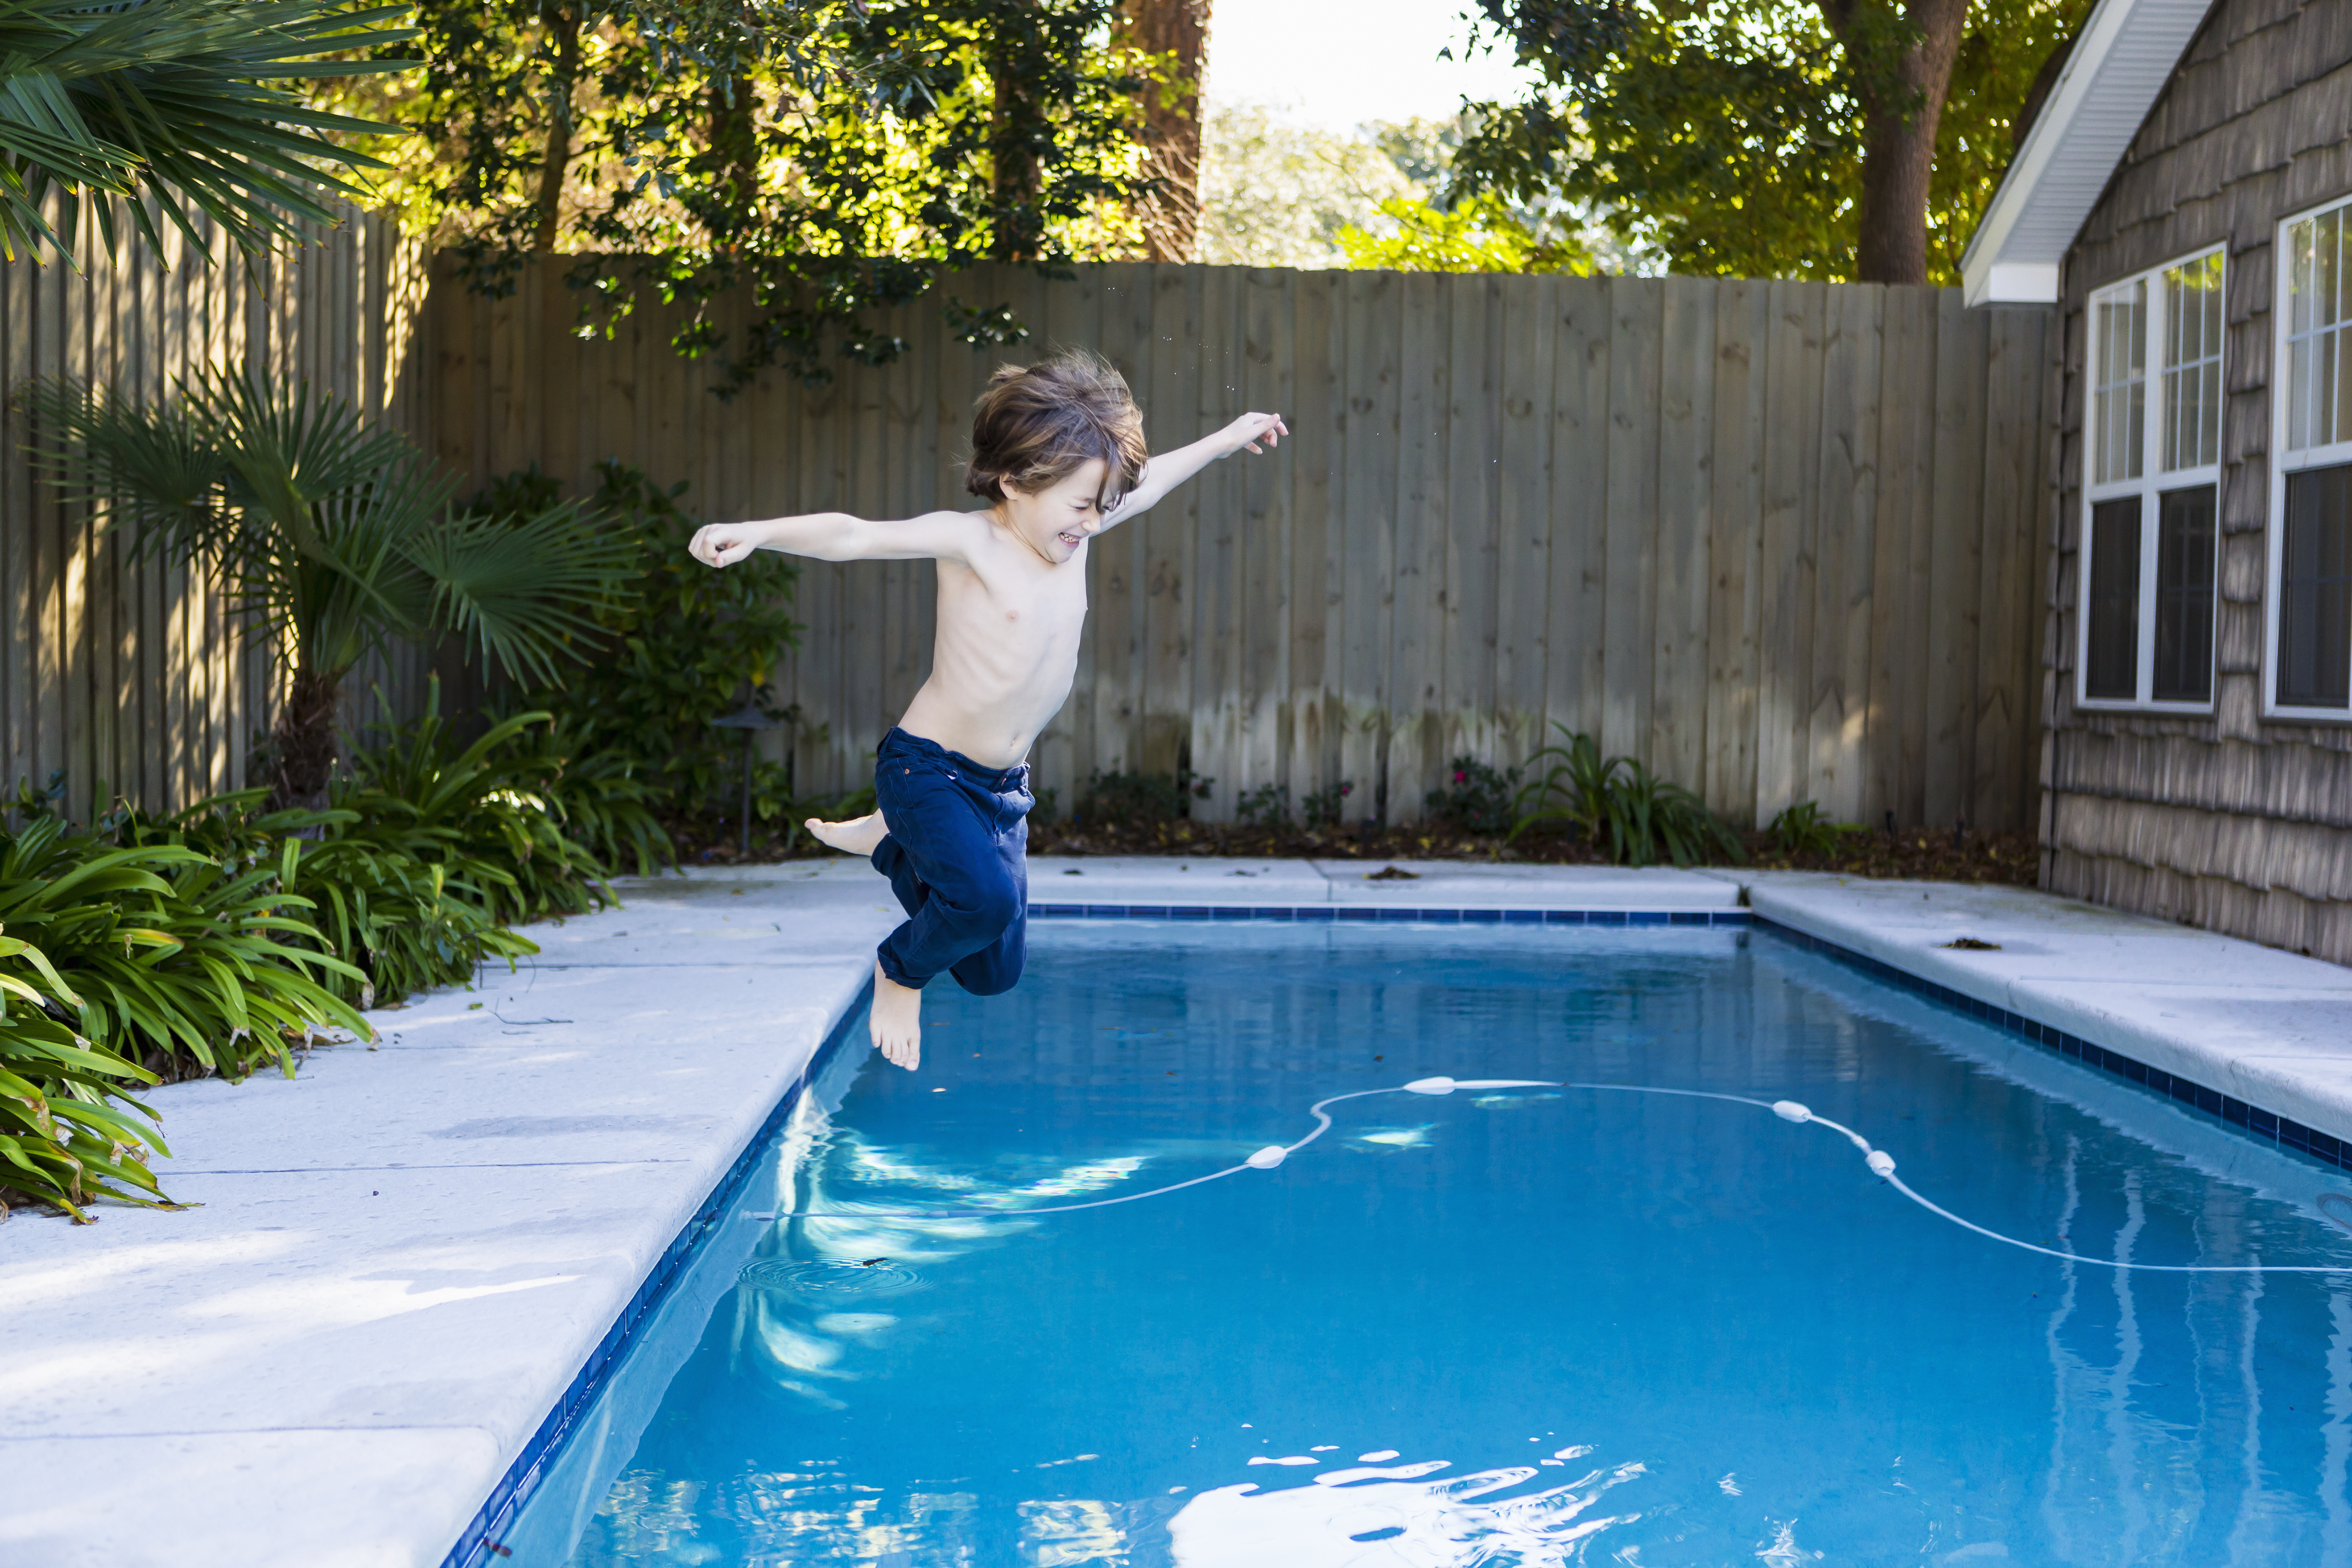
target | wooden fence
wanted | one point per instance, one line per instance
(1780, 541)
(131, 677)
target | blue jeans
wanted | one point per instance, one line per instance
(957, 857)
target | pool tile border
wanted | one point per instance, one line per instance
(1382, 913)
(479, 1545)
(2251, 1119)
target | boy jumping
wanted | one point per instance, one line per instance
(1058, 450)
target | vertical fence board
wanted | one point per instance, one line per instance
(1375, 370)
(1899, 645)
(1575, 667)
(1736, 498)
(1791, 478)
(1962, 344)
(1837, 714)
(1468, 606)
(1680, 625)
(1636, 348)
(1416, 649)
(1523, 484)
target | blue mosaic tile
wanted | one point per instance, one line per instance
(2228, 1109)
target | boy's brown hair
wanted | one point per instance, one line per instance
(1038, 425)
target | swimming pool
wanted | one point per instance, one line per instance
(1500, 1326)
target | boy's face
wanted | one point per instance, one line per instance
(1055, 520)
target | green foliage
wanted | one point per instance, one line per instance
(169, 951)
(66, 1133)
(1728, 135)
(1321, 808)
(1142, 797)
(492, 821)
(1480, 234)
(679, 654)
(1477, 799)
(1619, 806)
(1802, 829)
(1268, 805)
(166, 109)
(837, 163)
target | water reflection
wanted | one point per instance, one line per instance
(1391, 1516)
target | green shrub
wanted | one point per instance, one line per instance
(1621, 808)
(169, 951)
(1478, 800)
(1802, 829)
(681, 652)
(1268, 805)
(67, 1134)
(1321, 808)
(1142, 797)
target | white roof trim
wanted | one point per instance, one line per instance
(2122, 59)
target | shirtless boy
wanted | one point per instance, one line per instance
(1058, 450)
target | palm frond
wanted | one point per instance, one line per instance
(520, 592)
(168, 103)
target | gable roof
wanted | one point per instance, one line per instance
(2122, 59)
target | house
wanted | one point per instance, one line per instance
(2184, 196)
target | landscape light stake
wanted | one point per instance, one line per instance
(748, 719)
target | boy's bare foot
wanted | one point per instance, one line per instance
(858, 835)
(897, 1021)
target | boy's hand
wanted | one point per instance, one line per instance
(724, 544)
(1247, 431)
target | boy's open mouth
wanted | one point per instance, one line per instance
(1069, 539)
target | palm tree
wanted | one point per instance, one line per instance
(164, 108)
(333, 538)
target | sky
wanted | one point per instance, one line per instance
(1337, 63)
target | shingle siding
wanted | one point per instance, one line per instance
(2230, 821)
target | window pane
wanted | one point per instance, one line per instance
(2315, 591)
(2192, 416)
(2111, 670)
(2184, 596)
(2298, 394)
(2324, 256)
(2118, 397)
(2298, 287)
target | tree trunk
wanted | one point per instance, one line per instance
(735, 147)
(1012, 150)
(1903, 102)
(1172, 119)
(306, 742)
(556, 161)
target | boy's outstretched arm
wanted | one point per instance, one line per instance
(1166, 471)
(837, 536)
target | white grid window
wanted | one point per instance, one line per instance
(2309, 623)
(2150, 531)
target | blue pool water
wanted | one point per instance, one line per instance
(1510, 1327)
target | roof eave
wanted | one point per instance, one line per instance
(2126, 54)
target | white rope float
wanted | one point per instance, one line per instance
(1881, 1165)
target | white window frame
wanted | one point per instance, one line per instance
(2283, 463)
(2150, 485)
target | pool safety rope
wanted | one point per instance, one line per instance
(1881, 1164)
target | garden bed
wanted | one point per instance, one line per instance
(2005, 858)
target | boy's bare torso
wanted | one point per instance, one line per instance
(1005, 652)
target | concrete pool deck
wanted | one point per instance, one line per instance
(405, 1255)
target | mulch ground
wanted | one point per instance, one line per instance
(1943, 856)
